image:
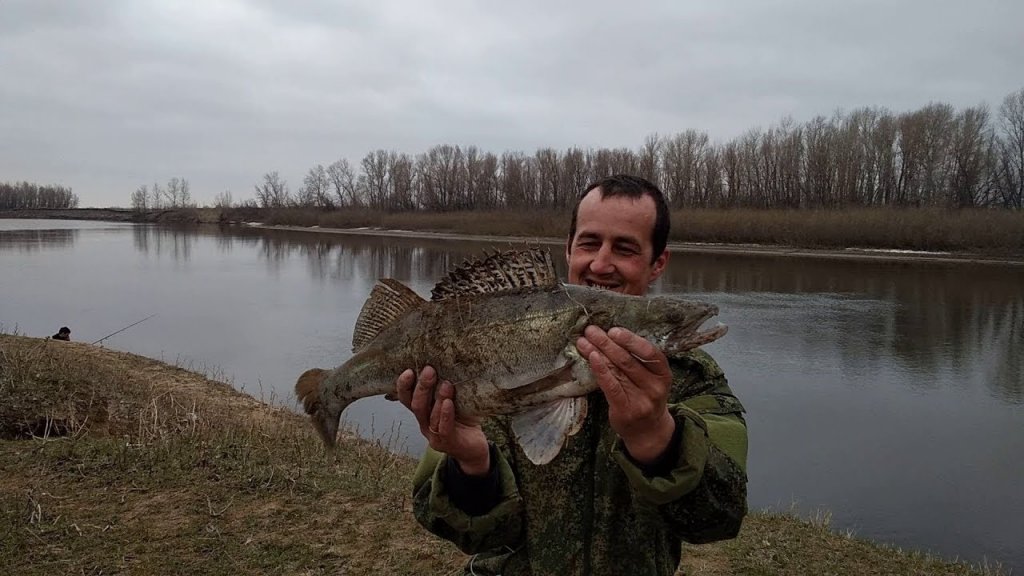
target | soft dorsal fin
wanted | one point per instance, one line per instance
(499, 272)
(388, 300)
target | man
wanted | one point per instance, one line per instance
(63, 334)
(660, 458)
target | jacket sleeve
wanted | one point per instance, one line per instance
(501, 527)
(703, 497)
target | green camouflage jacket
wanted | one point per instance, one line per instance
(591, 510)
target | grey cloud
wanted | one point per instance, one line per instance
(111, 95)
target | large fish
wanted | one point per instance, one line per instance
(503, 331)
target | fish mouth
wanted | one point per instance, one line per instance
(688, 335)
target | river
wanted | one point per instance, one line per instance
(889, 394)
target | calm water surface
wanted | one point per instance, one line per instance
(891, 395)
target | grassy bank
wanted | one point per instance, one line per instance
(114, 463)
(993, 232)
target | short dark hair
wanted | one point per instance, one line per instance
(64, 330)
(631, 187)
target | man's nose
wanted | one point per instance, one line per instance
(602, 262)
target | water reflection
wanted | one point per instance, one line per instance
(35, 240)
(931, 319)
(174, 242)
(966, 320)
(335, 256)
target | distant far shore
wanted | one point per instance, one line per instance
(924, 236)
(169, 215)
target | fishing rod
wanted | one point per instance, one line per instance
(123, 329)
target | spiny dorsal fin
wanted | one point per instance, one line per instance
(388, 300)
(498, 272)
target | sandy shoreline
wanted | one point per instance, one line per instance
(851, 254)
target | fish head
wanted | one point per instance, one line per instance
(671, 323)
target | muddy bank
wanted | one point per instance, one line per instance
(169, 216)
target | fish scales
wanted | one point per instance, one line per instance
(476, 342)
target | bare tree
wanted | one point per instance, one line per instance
(223, 200)
(648, 159)
(316, 189)
(938, 129)
(614, 161)
(273, 192)
(401, 178)
(442, 179)
(157, 198)
(515, 181)
(910, 147)
(140, 199)
(343, 183)
(481, 178)
(967, 184)
(682, 161)
(576, 173)
(732, 174)
(376, 177)
(549, 178)
(177, 193)
(1010, 156)
(713, 182)
(883, 150)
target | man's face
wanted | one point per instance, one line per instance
(612, 246)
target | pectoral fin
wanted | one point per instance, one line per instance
(542, 431)
(529, 381)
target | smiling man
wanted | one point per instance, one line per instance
(660, 458)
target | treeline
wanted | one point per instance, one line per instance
(176, 194)
(936, 156)
(22, 195)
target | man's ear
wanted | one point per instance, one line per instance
(658, 266)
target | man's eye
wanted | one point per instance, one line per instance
(627, 250)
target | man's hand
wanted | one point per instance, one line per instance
(635, 378)
(435, 413)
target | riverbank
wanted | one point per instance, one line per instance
(166, 216)
(851, 254)
(116, 463)
(927, 235)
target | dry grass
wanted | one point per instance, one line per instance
(185, 476)
(984, 231)
(995, 232)
(114, 463)
(778, 544)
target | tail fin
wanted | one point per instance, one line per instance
(325, 418)
(307, 389)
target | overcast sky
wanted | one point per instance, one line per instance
(104, 96)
